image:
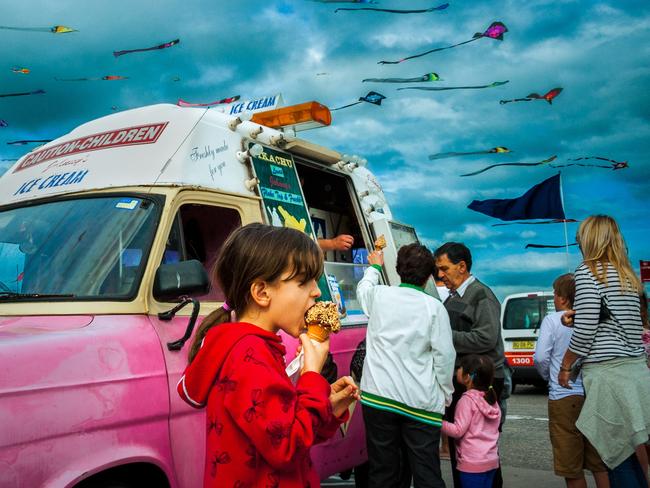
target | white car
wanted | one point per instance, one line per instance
(521, 317)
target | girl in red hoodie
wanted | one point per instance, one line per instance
(259, 425)
(476, 423)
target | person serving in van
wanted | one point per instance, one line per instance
(342, 242)
(475, 317)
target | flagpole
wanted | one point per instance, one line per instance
(566, 233)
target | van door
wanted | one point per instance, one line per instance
(200, 224)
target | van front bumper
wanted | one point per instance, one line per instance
(523, 367)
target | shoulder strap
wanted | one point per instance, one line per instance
(605, 313)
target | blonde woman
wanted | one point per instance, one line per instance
(607, 340)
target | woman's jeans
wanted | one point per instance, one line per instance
(628, 474)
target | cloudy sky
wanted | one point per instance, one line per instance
(597, 51)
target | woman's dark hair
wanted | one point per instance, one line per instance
(415, 264)
(456, 252)
(643, 298)
(481, 370)
(258, 252)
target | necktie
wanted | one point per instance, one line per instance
(452, 294)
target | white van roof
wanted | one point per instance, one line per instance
(530, 294)
(165, 145)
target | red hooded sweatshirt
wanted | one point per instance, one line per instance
(259, 425)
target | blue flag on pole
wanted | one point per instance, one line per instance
(542, 201)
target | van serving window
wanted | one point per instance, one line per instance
(332, 213)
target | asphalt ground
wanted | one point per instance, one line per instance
(525, 448)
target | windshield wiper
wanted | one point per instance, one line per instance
(8, 295)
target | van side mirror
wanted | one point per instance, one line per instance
(175, 280)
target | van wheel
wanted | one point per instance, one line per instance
(132, 475)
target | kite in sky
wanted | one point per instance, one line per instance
(393, 11)
(22, 71)
(28, 141)
(372, 97)
(3, 123)
(539, 163)
(494, 150)
(548, 246)
(153, 48)
(554, 221)
(183, 103)
(56, 29)
(548, 96)
(101, 78)
(615, 164)
(22, 94)
(435, 88)
(425, 77)
(495, 31)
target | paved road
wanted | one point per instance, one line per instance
(525, 447)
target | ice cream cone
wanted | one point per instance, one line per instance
(318, 333)
(380, 243)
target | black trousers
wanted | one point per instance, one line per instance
(391, 437)
(459, 389)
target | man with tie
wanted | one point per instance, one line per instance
(475, 317)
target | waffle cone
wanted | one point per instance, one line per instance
(318, 333)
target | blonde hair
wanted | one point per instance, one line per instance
(601, 242)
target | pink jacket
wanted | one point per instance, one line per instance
(476, 426)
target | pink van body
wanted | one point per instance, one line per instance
(97, 392)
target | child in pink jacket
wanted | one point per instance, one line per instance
(476, 423)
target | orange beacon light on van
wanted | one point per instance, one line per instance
(308, 115)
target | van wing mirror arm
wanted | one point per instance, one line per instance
(169, 314)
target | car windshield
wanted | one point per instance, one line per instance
(90, 248)
(527, 312)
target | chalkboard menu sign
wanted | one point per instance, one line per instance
(282, 197)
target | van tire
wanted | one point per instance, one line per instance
(108, 483)
(133, 475)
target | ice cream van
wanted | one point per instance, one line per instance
(107, 237)
(521, 318)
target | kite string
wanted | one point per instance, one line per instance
(345, 106)
(28, 29)
(430, 51)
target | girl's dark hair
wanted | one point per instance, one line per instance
(643, 298)
(258, 252)
(481, 370)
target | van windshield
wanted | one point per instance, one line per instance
(527, 312)
(89, 248)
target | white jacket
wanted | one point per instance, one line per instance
(409, 350)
